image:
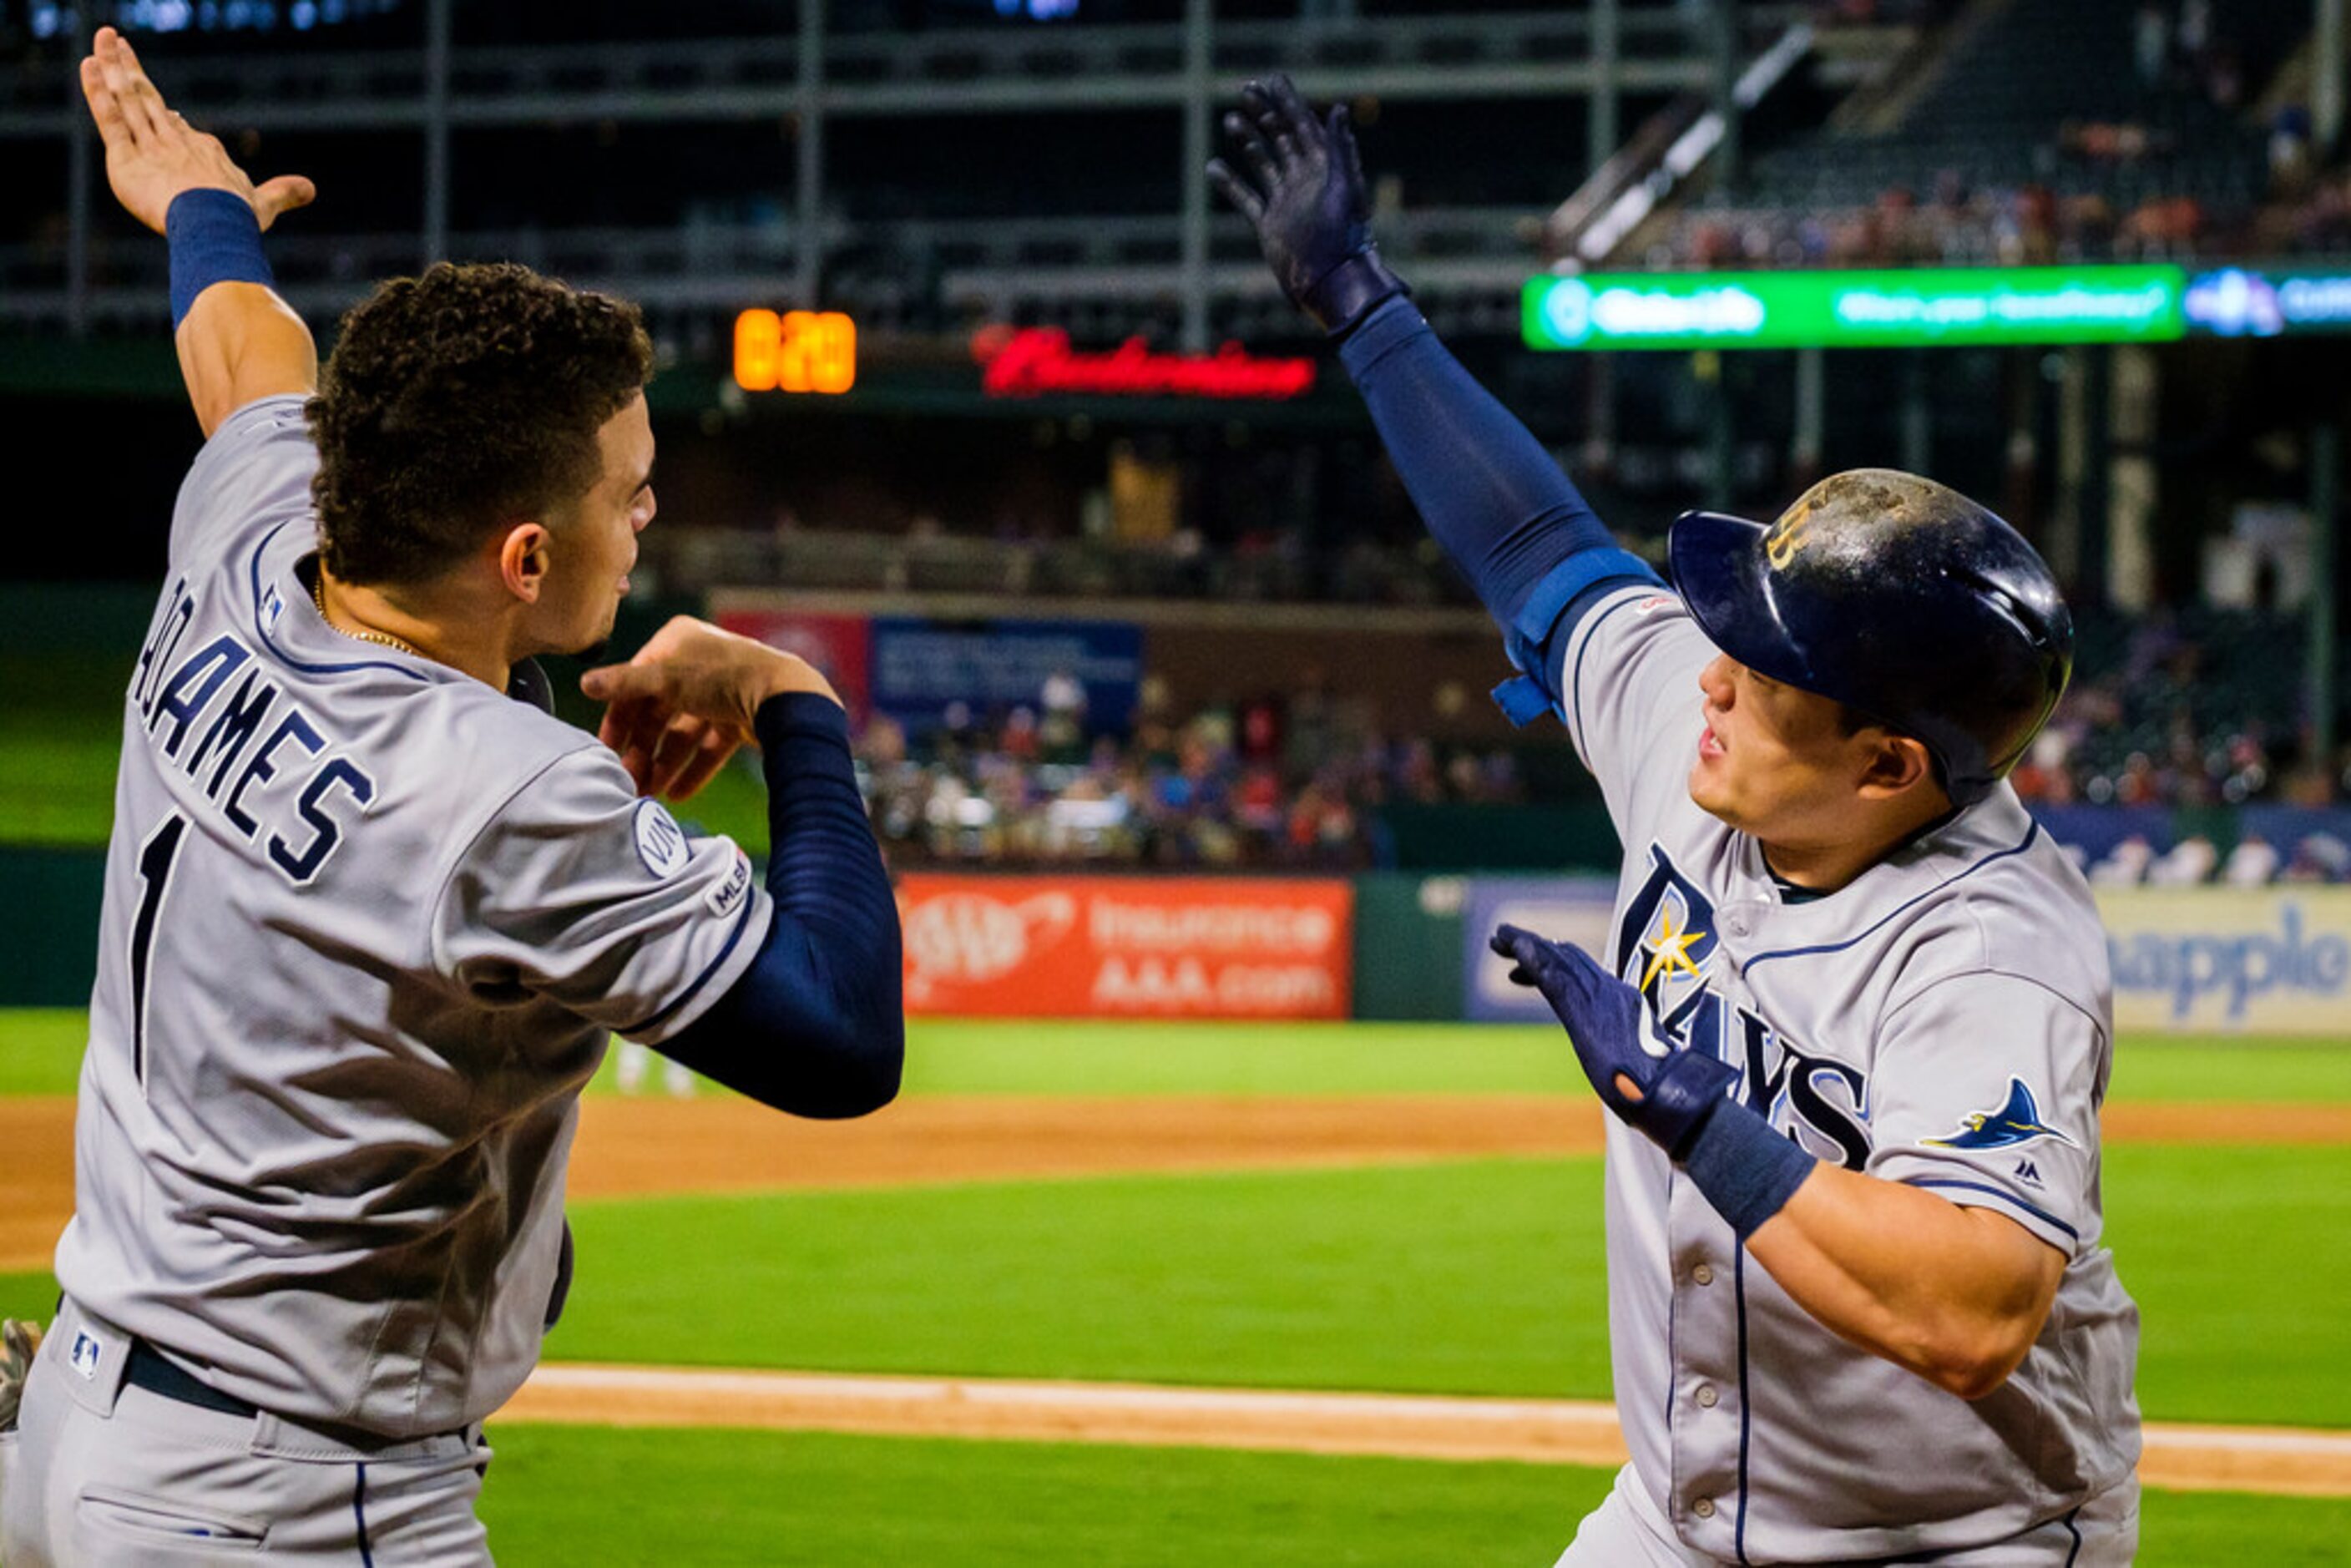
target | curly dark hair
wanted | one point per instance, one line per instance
(458, 401)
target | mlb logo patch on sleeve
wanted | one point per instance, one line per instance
(661, 842)
(727, 895)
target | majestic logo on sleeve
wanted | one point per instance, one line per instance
(1665, 945)
(2016, 1122)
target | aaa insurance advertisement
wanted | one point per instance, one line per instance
(1056, 946)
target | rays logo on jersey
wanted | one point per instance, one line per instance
(2017, 1120)
(1667, 940)
(1666, 944)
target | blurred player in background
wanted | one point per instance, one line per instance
(1855, 1023)
(371, 911)
(633, 1061)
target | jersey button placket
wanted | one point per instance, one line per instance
(1704, 1354)
(1705, 1396)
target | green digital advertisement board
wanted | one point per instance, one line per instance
(2270, 302)
(1860, 310)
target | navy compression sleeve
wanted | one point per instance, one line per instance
(1491, 494)
(815, 1026)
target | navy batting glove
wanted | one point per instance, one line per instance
(1603, 1017)
(1303, 194)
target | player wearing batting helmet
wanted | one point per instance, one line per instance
(1853, 1020)
(373, 912)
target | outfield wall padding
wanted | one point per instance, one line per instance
(48, 924)
(2195, 960)
(2273, 960)
(1446, 836)
(1407, 947)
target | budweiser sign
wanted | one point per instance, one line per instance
(1035, 361)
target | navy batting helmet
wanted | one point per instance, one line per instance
(1901, 598)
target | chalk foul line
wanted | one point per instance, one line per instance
(2278, 1460)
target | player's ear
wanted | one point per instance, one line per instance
(1894, 764)
(523, 557)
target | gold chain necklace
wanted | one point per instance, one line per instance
(318, 598)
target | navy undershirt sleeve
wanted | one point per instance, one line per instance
(815, 1026)
(1532, 546)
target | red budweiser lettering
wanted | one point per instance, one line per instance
(1038, 360)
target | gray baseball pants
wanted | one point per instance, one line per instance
(1627, 1532)
(107, 1473)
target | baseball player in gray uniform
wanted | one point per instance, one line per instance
(1854, 1019)
(371, 911)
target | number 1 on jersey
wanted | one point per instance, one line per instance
(155, 858)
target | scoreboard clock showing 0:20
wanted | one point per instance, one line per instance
(797, 351)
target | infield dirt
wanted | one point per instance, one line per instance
(643, 1147)
(2276, 1460)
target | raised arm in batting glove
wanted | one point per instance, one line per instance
(1303, 192)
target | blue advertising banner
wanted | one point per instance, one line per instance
(2271, 961)
(1565, 909)
(2097, 830)
(921, 668)
(2268, 961)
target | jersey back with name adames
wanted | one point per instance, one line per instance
(368, 923)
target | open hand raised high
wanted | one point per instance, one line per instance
(154, 155)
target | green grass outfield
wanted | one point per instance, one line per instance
(585, 1495)
(1480, 1274)
(1476, 1276)
(40, 1054)
(60, 740)
(1472, 1276)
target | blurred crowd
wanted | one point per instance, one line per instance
(2080, 194)
(1954, 223)
(2183, 711)
(2168, 712)
(1296, 781)
(2316, 218)
(2252, 862)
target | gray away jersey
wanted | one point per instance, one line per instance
(367, 925)
(1944, 1020)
